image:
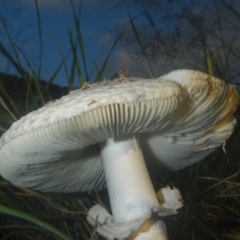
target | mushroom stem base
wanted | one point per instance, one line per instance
(151, 229)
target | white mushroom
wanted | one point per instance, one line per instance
(101, 135)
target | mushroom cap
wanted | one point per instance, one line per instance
(203, 121)
(181, 117)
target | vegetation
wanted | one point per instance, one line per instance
(183, 34)
(210, 189)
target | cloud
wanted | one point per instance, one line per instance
(124, 60)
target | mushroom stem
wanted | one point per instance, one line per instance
(130, 189)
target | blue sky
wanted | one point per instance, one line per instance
(56, 16)
(97, 21)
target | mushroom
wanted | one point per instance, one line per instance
(100, 135)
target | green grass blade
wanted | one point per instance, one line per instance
(105, 62)
(33, 220)
(22, 71)
(62, 56)
(13, 46)
(40, 39)
(135, 31)
(8, 55)
(62, 63)
(72, 73)
(80, 38)
(33, 76)
(75, 58)
(209, 65)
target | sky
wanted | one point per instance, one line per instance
(98, 19)
(56, 16)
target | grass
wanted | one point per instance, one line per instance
(210, 189)
(45, 226)
(211, 195)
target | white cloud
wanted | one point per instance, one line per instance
(138, 67)
(123, 60)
